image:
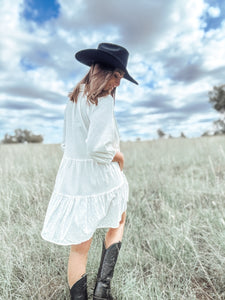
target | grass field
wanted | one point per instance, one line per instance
(174, 240)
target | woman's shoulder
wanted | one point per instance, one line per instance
(107, 100)
(105, 106)
(105, 103)
(82, 86)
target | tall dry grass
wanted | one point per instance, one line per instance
(174, 240)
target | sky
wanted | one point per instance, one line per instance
(176, 53)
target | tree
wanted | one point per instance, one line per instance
(19, 135)
(35, 138)
(22, 136)
(217, 98)
(219, 126)
(160, 133)
(206, 133)
(9, 139)
(182, 135)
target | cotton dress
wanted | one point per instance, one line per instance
(90, 190)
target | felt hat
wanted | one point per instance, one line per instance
(108, 54)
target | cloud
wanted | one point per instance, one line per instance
(30, 92)
(172, 55)
(15, 105)
(214, 12)
(156, 101)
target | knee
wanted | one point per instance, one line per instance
(112, 231)
(123, 219)
(121, 223)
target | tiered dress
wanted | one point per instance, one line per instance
(90, 190)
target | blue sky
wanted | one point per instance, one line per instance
(40, 11)
(176, 54)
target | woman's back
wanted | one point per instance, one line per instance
(90, 131)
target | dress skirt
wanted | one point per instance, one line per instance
(87, 195)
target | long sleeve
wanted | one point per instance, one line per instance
(101, 131)
(63, 144)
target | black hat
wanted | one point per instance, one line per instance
(107, 54)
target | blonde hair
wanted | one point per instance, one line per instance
(95, 81)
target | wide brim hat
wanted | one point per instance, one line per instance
(108, 54)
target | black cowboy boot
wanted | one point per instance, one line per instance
(105, 272)
(79, 290)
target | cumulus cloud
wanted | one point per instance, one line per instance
(214, 12)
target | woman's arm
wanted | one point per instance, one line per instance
(100, 136)
(119, 157)
(64, 131)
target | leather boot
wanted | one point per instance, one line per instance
(105, 272)
(79, 290)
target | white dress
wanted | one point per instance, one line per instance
(90, 190)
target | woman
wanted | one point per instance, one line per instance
(91, 190)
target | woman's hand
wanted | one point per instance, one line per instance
(119, 157)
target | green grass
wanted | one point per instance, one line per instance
(174, 239)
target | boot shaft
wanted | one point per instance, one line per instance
(102, 258)
(109, 261)
(79, 290)
(105, 272)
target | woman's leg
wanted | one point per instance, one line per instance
(114, 235)
(77, 261)
(110, 252)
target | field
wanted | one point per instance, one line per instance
(174, 239)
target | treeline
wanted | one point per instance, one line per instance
(22, 136)
(162, 134)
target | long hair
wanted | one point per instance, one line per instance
(95, 81)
